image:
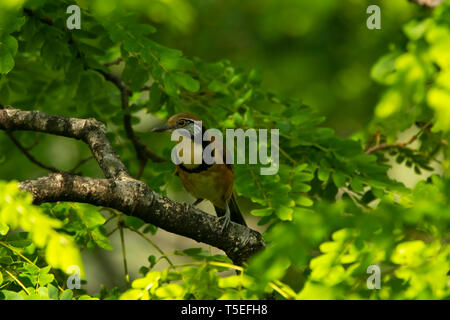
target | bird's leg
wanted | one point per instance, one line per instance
(197, 202)
(226, 217)
(186, 207)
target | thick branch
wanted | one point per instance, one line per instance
(122, 192)
(134, 198)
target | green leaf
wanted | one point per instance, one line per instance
(255, 76)
(6, 59)
(284, 213)
(439, 99)
(262, 212)
(99, 236)
(140, 30)
(90, 85)
(3, 229)
(52, 292)
(155, 98)
(171, 291)
(186, 81)
(19, 240)
(152, 260)
(55, 53)
(175, 63)
(170, 85)
(45, 277)
(384, 68)
(150, 228)
(151, 280)
(11, 44)
(67, 295)
(304, 201)
(303, 176)
(192, 251)
(416, 29)
(356, 184)
(339, 179)
(242, 100)
(323, 174)
(86, 297)
(90, 216)
(134, 74)
(230, 282)
(133, 222)
(11, 295)
(298, 186)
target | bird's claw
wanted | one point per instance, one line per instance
(245, 240)
(225, 221)
(186, 207)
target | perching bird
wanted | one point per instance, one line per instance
(213, 182)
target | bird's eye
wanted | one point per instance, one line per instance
(181, 122)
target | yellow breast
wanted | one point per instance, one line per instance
(214, 184)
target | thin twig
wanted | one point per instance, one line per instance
(124, 252)
(35, 143)
(23, 257)
(16, 280)
(112, 63)
(28, 155)
(80, 163)
(112, 231)
(403, 144)
(142, 164)
(163, 255)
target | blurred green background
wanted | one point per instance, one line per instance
(321, 52)
(318, 51)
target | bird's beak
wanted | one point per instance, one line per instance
(162, 128)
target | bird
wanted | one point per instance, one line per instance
(213, 182)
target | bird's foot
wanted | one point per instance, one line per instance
(245, 239)
(225, 221)
(186, 207)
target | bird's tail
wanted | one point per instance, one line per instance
(235, 212)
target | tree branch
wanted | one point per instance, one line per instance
(391, 145)
(379, 146)
(120, 191)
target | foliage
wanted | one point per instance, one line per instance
(330, 212)
(40, 241)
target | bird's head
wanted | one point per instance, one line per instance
(186, 121)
